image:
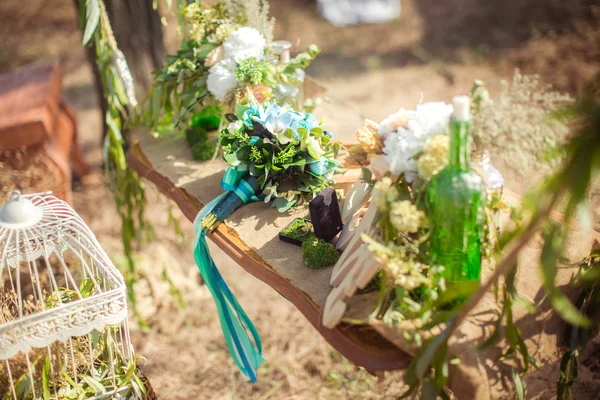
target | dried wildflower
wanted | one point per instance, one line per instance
(400, 267)
(369, 139)
(255, 14)
(406, 273)
(517, 125)
(383, 191)
(406, 217)
(434, 157)
(192, 27)
(223, 31)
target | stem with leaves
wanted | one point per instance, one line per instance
(126, 186)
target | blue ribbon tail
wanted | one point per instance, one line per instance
(239, 332)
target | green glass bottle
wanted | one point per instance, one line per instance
(456, 202)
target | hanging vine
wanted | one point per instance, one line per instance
(126, 186)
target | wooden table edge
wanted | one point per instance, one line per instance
(345, 338)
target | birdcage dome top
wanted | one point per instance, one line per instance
(56, 279)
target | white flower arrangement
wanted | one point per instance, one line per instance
(221, 78)
(244, 43)
(402, 137)
(241, 44)
(402, 145)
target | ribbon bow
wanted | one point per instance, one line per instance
(236, 325)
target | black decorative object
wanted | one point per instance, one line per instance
(231, 117)
(325, 215)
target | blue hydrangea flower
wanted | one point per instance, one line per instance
(249, 114)
(322, 166)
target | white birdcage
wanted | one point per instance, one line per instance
(63, 317)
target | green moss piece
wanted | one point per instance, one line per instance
(195, 135)
(294, 229)
(209, 118)
(203, 151)
(317, 253)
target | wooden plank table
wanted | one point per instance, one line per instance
(250, 238)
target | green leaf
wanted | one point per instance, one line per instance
(46, 379)
(231, 159)
(520, 387)
(455, 291)
(240, 110)
(282, 204)
(92, 18)
(567, 310)
(96, 386)
(86, 288)
(428, 391)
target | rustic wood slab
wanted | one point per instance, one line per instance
(250, 236)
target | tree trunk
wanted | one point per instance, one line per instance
(138, 29)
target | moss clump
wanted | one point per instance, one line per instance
(299, 229)
(203, 151)
(209, 118)
(317, 253)
(202, 147)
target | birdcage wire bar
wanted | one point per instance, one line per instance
(64, 304)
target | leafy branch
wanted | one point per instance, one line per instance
(126, 186)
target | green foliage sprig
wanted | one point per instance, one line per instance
(126, 186)
(578, 337)
(256, 72)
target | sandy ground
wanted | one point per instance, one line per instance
(434, 50)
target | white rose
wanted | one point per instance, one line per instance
(399, 150)
(221, 79)
(432, 119)
(394, 121)
(244, 43)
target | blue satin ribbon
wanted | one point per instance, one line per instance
(235, 323)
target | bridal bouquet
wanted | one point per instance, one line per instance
(227, 57)
(289, 152)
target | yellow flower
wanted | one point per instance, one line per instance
(223, 31)
(192, 27)
(406, 217)
(369, 138)
(380, 193)
(434, 157)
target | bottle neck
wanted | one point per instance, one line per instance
(459, 145)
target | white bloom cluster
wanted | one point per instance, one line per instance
(241, 44)
(245, 43)
(221, 78)
(405, 133)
